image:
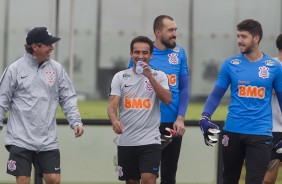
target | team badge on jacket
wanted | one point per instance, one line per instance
(50, 76)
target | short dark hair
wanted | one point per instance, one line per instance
(279, 42)
(142, 39)
(252, 26)
(158, 23)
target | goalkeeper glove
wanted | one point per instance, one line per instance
(278, 147)
(166, 139)
(209, 130)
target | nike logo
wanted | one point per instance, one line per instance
(155, 168)
(22, 77)
(127, 85)
(57, 168)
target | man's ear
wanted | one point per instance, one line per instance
(257, 38)
(157, 32)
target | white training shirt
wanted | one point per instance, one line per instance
(139, 108)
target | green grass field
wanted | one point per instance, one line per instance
(98, 110)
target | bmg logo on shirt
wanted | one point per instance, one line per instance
(171, 79)
(137, 103)
(251, 91)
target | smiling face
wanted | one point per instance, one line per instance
(141, 51)
(247, 42)
(42, 52)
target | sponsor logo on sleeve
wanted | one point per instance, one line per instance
(269, 63)
(176, 49)
(126, 76)
(236, 61)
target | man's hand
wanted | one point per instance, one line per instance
(209, 130)
(147, 72)
(78, 130)
(179, 127)
(278, 147)
(118, 127)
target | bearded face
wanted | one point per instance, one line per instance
(169, 42)
(246, 42)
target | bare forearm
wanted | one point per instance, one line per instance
(112, 113)
(163, 94)
(112, 108)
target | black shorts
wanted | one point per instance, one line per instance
(20, 161)
(277, 136)
(134, 160)
(255, 150)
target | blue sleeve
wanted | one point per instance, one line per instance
(184, 86)
(214, 100)
(277, 83)
(184, 67)
(130, 65)
(279, 98)
(223, 79)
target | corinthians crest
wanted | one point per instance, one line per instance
(173, 58)
(263, 72)
(50, 76)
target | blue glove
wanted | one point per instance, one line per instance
(209, 130)
(278, 147)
